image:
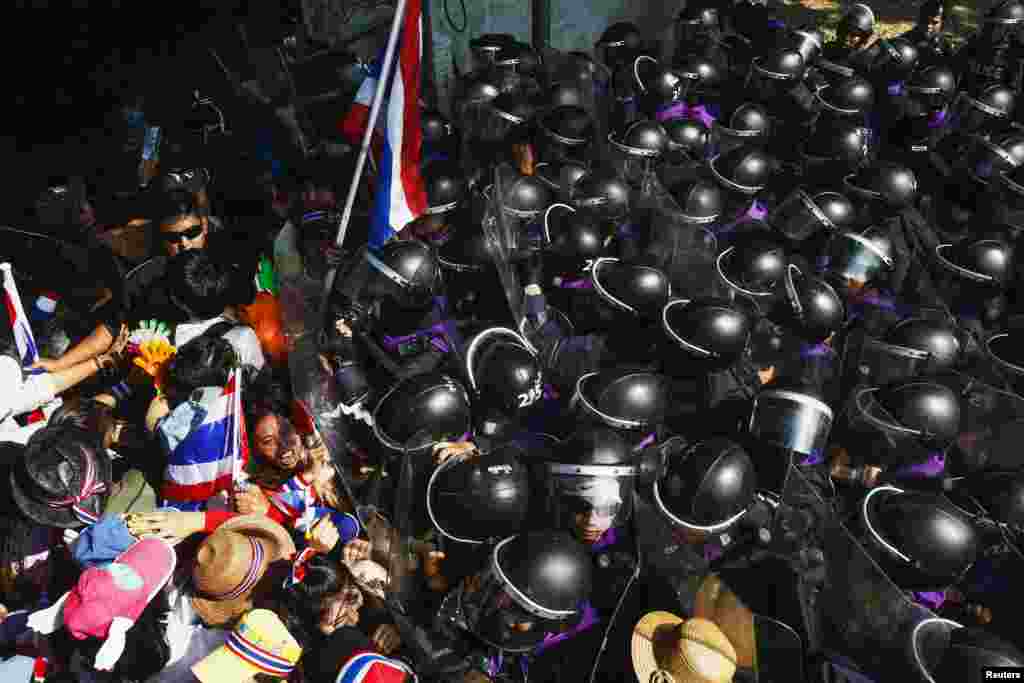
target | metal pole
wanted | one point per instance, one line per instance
(428, 90)
(364, 150)
(540, 11)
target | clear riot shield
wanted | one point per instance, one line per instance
(685, 251)
(313, 390)
(991, 425)
(866, 621)
(592, 78)
(502, 234)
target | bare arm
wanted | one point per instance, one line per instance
(98, 341)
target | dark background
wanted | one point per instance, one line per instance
(68, 64)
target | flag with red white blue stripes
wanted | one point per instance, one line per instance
(24, 340)
(210, 458)
(400, 195)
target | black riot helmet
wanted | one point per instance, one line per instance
(646, 139)
(1006, 350)
(986, 260)
(636, 289)
(526, 196)
(437, 129)
(987, 159)
(943, 651)
(481, 499)
(934, 86)
(793, 416)
(636, 149)
(703, 74)
(420, 411)
(507, 110)
(744, 170)
(938, 338)
(923, 541)
(808, 40)
(859, 19)
(518, 57)
(445, 184)
(740, 124)
(686, 140)
(915, 409)
(468, 251)
(619, 44)
(568, 130)
(560, 176)
(857, 259)
(603, 192)
(985, 111)
(701, 201)
(405, 272)
(773, 75)
(890, 183)
(811, 309)
(504, 371)
(485, 48)
(660, 85)
(1006, 13)
(534, 585)
(708, 487)
(845, 142)
(896, 60)
(575, 239)
(623, 398)
(696, 22)
(803, 214)
(565, 94)
(755, 265)
(853, 96)
(593, 475)
(714, 332)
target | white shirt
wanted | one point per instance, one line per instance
(19, 396)
(242, 339)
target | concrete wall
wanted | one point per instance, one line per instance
(575, 24)
(578, 25)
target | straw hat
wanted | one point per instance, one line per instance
(718, 603)
(667, 649)
(232, 561)
(260, 644)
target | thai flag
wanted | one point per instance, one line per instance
(23, 337)
(212, 457)
(400, 196)
(354, 124)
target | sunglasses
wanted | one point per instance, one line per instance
(580, 506)
(189, 233)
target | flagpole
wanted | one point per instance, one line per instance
(364, 150)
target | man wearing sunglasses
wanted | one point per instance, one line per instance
(179, 225)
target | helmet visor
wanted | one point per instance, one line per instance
(794, 421)
(971, 116)
(798, 217)
(855, 259)
(590, 504)
(496, 617)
